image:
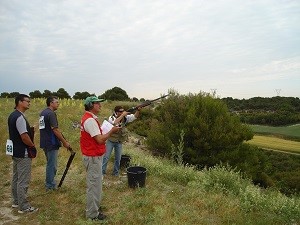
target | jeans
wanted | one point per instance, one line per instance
(51, 168)
(118, 152)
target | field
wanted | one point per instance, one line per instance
(274, 143)
(173, 194)
(292, 131)
(277, 138)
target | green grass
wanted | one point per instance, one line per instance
(173, 194)
(292, 131)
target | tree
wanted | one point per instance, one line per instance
(14, 94)
(115, 94)
(46, 93)
(35, 94)
(4, 95)
(208, 126)
(62, 93)
(81, 95)
(135, 99)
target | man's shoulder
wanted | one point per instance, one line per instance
(47, 111)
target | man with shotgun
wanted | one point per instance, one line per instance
(121, 118)
(51, 139)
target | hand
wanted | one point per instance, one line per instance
(31, 152)
(115, 129)
(125, 113)
(67, 145)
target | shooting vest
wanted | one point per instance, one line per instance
(122, 135)
(19, 146)
(88, 145)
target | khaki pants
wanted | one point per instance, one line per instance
(93, 166)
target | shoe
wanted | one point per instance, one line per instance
(28, 210)
(51, 189)
(14, 205)
(100, 216)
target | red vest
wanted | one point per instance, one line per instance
(88, 145)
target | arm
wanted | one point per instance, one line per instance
(60, 137)
(26, 139)
(118, 120)
(54, 126)
(102, 138)
(137, 112)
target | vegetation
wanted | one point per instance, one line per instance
(275, 111)
(287, 132)
(274, 143)
(174, 194)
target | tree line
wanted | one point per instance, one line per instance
(113, 94)
(274, 111)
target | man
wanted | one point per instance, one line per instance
(92, 144)
(22, 144)
(119, 118)
(50, 138)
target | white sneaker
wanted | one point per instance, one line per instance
(28, 210)
(14, 205)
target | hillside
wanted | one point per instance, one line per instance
(173, 194)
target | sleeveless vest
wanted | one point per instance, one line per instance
(121, 135)
(88, 145)
(19, 146)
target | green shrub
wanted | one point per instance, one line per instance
(206, 122)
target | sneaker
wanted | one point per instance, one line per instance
(15, 206)
(28, 210)
(100, 216)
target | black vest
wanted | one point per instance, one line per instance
(19, 146)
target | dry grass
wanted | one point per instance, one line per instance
(275, 143)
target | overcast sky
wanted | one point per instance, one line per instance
(235, 48)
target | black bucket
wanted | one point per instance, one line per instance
(136, 176)
(125, 161)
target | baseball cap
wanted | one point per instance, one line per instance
(92, 99)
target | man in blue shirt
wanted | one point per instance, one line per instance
(51, 139)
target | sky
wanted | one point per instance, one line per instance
(229, 48)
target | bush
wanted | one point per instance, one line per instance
(208, 126)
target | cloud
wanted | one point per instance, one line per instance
(189, 45)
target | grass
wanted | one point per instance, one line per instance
(286, 131)
(173, 194)
(275, 143)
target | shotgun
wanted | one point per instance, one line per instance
(144, 104)
(68, 166)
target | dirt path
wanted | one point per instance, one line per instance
(7, 213)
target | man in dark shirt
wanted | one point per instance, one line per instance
(21, 137)
(50, 139)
